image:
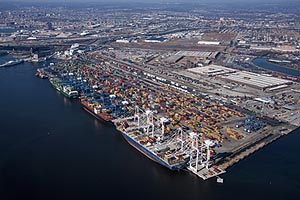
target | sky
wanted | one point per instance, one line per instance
(213, 2)
(150, 1)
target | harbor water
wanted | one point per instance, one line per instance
(7, 30)
(50, 148)
(263, 63)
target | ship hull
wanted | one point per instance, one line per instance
(69, 96)
(12, 64)
(59, 89)
(55, 86)
(149, 154)
(89, 110)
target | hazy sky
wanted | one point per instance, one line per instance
(163, 1)
(240, 2)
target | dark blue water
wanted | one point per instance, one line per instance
(50, 148)
(5, 58)
(7, 30)
(263, 63)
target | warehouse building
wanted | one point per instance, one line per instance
(212, 70)
(254, 80)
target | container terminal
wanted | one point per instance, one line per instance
(184, 88)
(174, 123)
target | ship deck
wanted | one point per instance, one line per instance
(151, 148)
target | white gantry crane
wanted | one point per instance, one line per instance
(163, 121)
(150, 122)
(180, 137)
(200, 152)
(137, 115)
(206, 159)
(194, 161)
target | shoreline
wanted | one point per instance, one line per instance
(253, 148)
(278, 64)
(273, 71)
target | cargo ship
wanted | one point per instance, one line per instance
(96, 110)
(278, 61)
(64, 89)
(165, 154)
(12, 63)
(41, 73)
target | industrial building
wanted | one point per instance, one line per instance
(123, 41)
(212, 70)
(209, 42)
(155, 40)
(254, 80)
(200, 54)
